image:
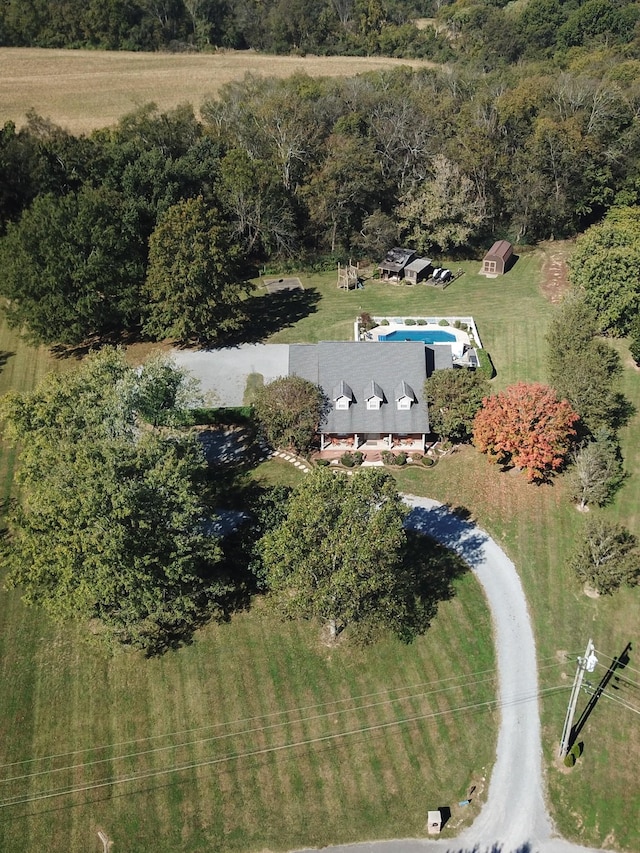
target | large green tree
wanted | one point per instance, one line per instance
(606, 556)
(290, 410)
(110, 522)
(454, 397)
(597, 470)
(194, 287)
(343, 189)
(582, 368)
(444, 211)
(606, 266)
(338, 555)
(72, 267)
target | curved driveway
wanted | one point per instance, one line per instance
(514, 818)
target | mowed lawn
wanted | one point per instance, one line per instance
(257, 735)
(309, 741)
(83, 90)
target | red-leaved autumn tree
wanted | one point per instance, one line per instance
(526, 426)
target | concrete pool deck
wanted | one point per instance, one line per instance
(428, 330)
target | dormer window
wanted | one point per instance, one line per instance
(373, 395)
(342, 395)
(405, 396)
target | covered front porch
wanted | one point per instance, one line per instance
(366, 442)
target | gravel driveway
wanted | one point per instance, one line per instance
(514, 818)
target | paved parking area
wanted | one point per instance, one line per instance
(223, 373)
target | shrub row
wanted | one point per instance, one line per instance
(485, 366)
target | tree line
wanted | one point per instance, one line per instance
(488, 33)
(298, 170)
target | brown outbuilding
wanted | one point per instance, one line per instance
(496, 261)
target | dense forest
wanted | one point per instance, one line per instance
(491, 32)
(529, 130)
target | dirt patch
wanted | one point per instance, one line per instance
(555, 273)
(274, 285)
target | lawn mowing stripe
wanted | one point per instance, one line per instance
(237, 684)
(183, 788)
(299, 681)
(332, 795)
(261, 703)
(343, 793)
(325, 774)
(225, 700)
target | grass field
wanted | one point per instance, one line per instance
(82, 90)
(259, 687)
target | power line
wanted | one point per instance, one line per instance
(245, 720)
(242, 721)
(22, 800)
(626, 666)
(237, 733)
(256, 730)
(620, 702)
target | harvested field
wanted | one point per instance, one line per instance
(82, 90)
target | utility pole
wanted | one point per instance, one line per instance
(585, 664)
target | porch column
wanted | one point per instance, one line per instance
(424, 441)
(390, 440)
(321, 441)
(355, 441)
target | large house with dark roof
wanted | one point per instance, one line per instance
(375, 390)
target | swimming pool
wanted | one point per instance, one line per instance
(427, 336)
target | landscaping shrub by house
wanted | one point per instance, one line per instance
(349, 459)
(400, 458)
(366, 321)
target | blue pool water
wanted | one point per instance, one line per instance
(433, 336)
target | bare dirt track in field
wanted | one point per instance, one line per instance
(555, 273)
(82, 90)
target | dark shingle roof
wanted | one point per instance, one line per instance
(404, 390)
(396, 259)
(358, 364)
(342, 390)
